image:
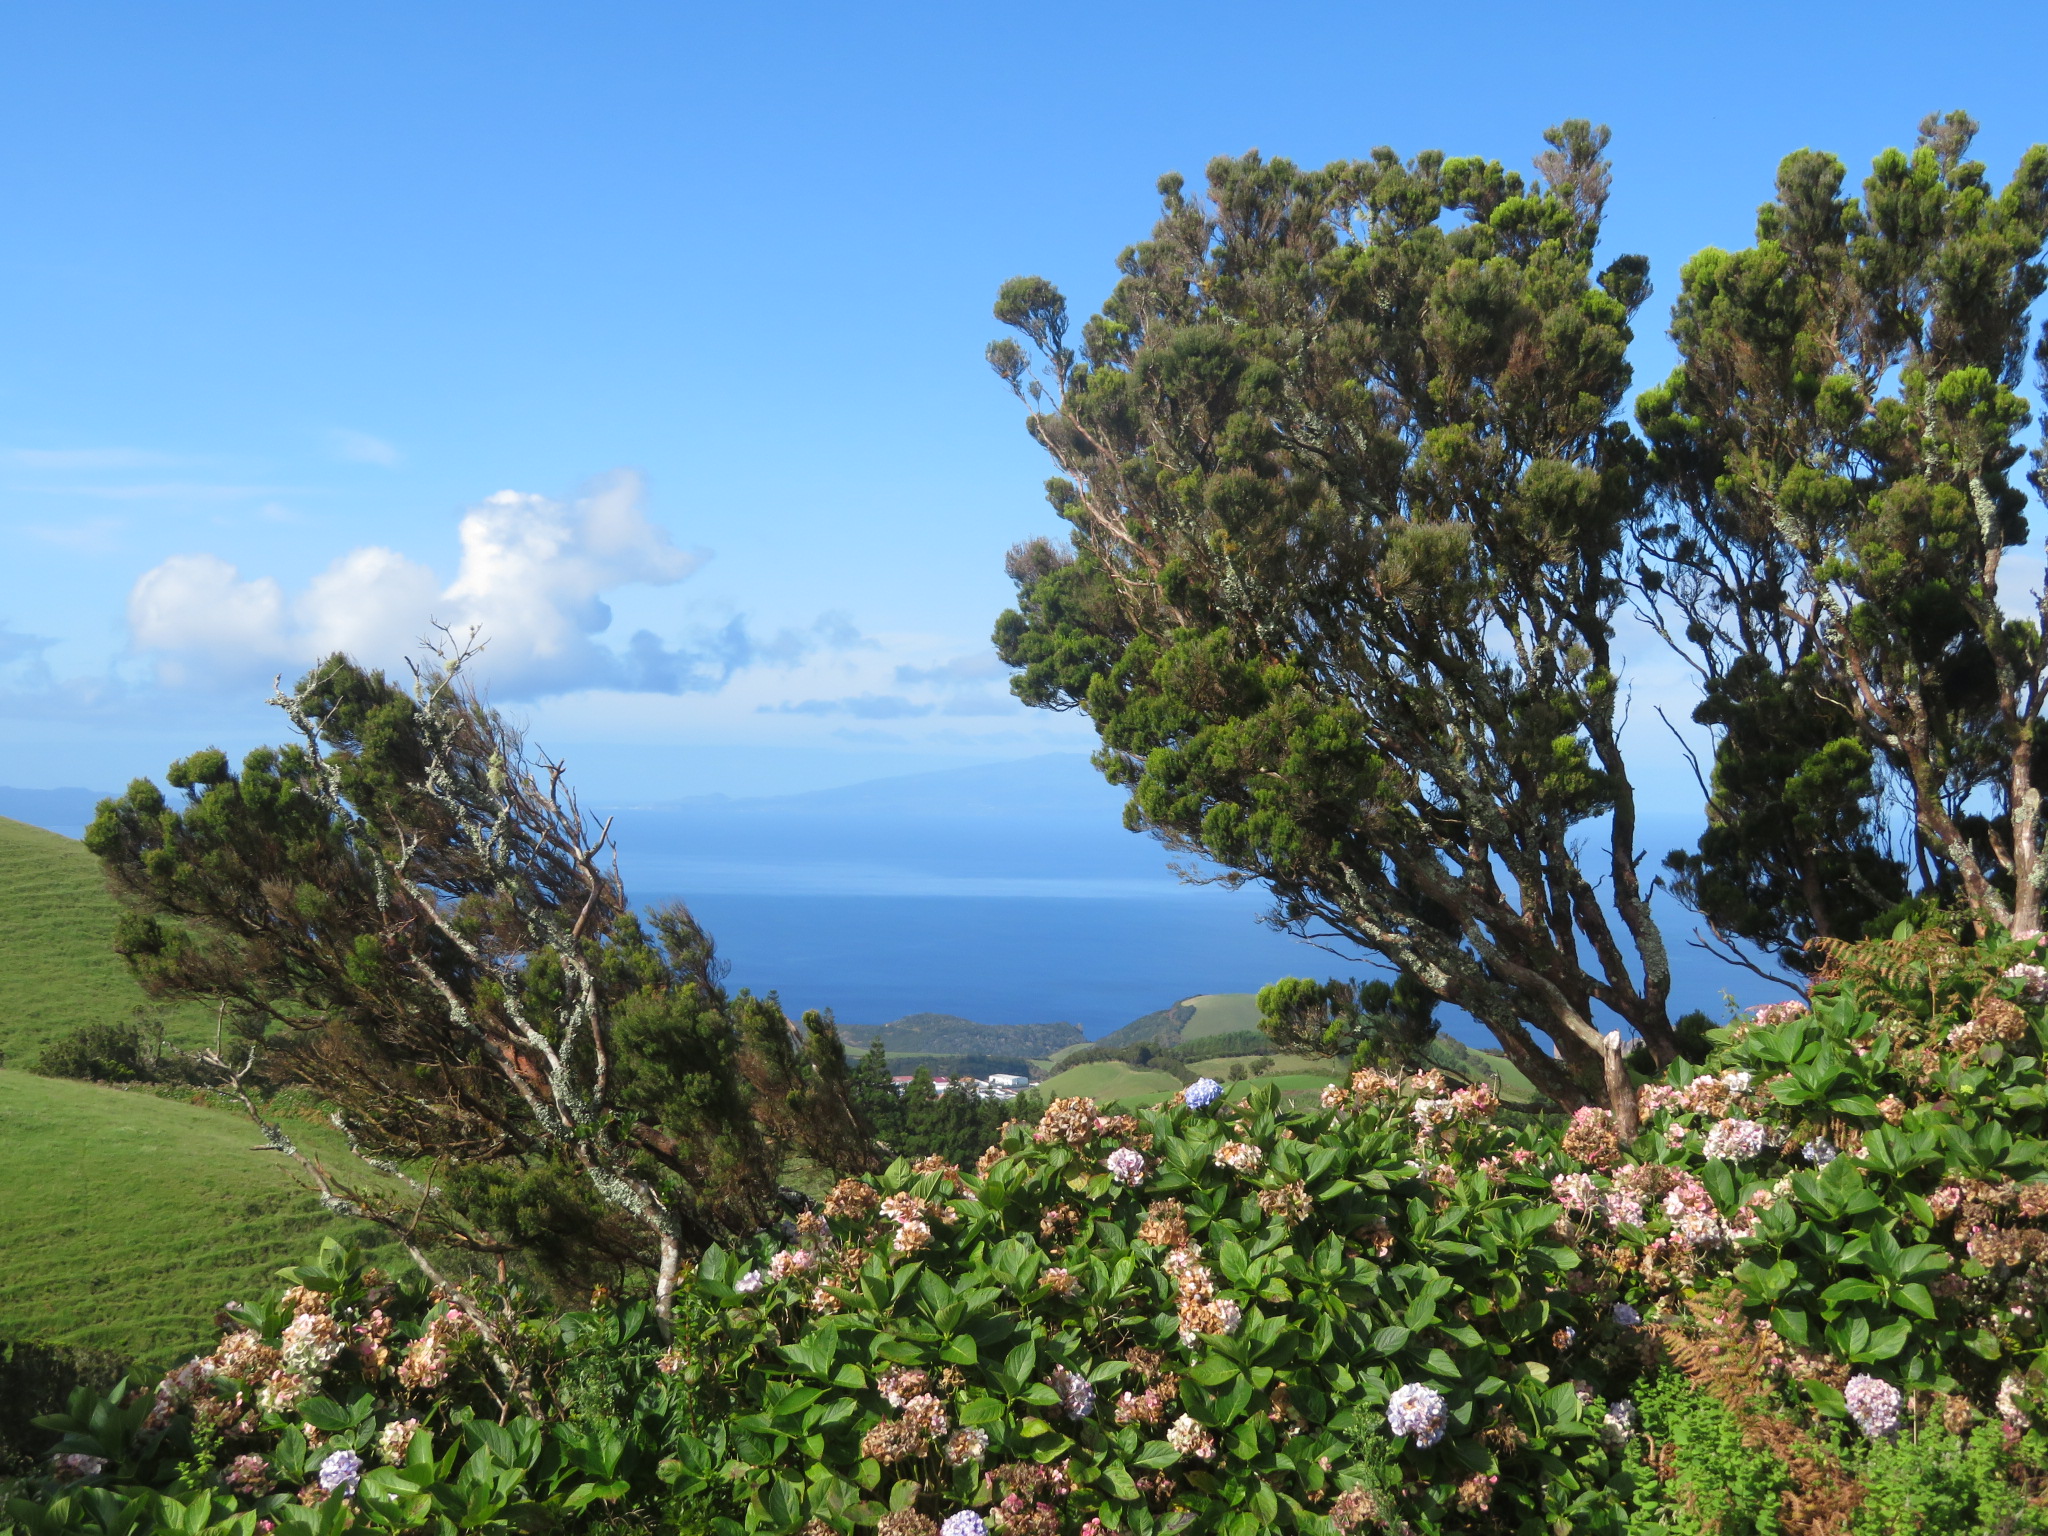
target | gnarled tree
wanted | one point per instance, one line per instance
(1837, 450)
(426, 912)
(1350, 508)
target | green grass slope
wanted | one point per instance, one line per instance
(58, 969)
(127, 1219)
(1108, 1082)
(1220, 1013)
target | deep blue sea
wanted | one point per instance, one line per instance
(1008, 894)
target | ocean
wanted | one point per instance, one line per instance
(1008, 893)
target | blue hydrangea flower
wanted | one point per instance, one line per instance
(343, 1470)
(1201, 1093)
(965, 1523)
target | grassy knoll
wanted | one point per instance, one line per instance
(1109, 1082)
(1220, 1013)
(58, 968)
(126, 1219)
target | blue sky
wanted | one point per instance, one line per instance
(600, 321)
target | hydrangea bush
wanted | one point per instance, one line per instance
(1193, 1318)
(353, 1399)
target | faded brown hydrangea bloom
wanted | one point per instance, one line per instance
(927, 1415)
(1591, 1138)
(1070, 1121)
(301, 1301)
(852, 1200)
(1165, 1225)
(1289, 1203)
(892, 1441)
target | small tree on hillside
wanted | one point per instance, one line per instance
(423, 907)
(1350, 507)
(1837, 450)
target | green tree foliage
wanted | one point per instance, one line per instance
(423, 913)
(1836, 451)
(1349, 509)
(1374, 1023)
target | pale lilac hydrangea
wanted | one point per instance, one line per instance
(750, 1282)
(1626, 1315)
(1127, 1166)
(1735, 1140)
(343, 1470)
(1618, 1424)
(2033, 980)
(2012, 1402)
(1820, 1152)
(1190, 1439)
(1201, 1093)
(1576, 1192)
(1417, 1412)
(965, 1523)
(1077, 1393)
(395, 1440)
(966, 1445)
(1874, 1405)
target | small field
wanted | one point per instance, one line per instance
(1109, 1082)
(126, 1219)
(1220, 1013)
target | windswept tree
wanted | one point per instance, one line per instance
(418, 910)
(1837, 452)
(1351, 510)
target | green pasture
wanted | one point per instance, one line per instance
(127, 1219)
(1220, 1013)
(1109, 1082)
(58, 969)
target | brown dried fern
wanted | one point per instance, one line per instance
(1721, 1354)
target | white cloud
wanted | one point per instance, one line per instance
(362, 448)
(203, 615)
(531, 580)
(365, 601)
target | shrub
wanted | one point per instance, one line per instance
(356, 1399)
(104, 1053)
(1174, 1321)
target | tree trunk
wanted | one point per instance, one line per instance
(665, 1285)
(1621, 1093)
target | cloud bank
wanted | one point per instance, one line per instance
(531, 579)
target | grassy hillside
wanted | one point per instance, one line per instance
(126, 1219)
(1220, 1013)
(1108, 1082)
(1192, 1018)
(58, 968)
(1160, 1028)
